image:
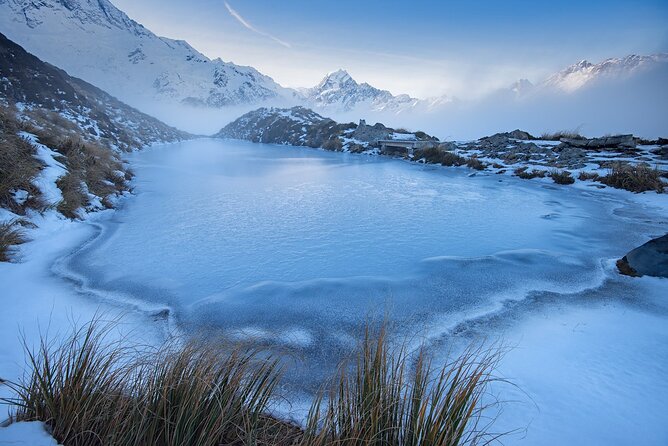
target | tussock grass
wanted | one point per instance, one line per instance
(639, 178)
(452, 159)
(389, 396)
(18, 165)
(562, 177)
(91, 169)
(525, 174)
(556, 136)
(584, 176)
(10, 237)
(474, 163)
(92, 389)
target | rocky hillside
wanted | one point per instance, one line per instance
(48, 96)
(299, 126)
(61, 141)
(102, 45)
(621, 161)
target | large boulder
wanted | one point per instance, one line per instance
(650, 259)
(624, 141)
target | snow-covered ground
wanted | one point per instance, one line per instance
(38, 302)
(296, 248)
(26, 434)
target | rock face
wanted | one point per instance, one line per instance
(44, 90)
(299, 126)
(626, 141)
(650, 259)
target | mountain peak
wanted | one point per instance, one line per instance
(336, 79)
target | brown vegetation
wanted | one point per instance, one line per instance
(584, 176)
(523, 173)
(92, 391)
(10, 237)
(562, 177)
(639, 178)
(18, 166)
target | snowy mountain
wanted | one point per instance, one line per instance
(583, 73)
(338, 91)
(49, 97)
(97, 42)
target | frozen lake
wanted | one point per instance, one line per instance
(297, 248)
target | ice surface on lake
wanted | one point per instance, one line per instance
(297, 248)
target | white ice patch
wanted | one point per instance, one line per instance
(46, 180)
(31, 433)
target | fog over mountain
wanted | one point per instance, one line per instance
(176, 83)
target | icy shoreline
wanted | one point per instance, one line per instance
(58, 241)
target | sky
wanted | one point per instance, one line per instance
(423, 48)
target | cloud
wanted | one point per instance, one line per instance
(247, 25)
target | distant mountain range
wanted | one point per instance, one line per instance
(97, 42)
(584, 73)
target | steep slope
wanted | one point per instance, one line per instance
(95, 41)
(46, 93)
(61, 141)
(338, 91)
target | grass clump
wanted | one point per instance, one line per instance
(391, 397)
(10, 237)
(91, 169)
(474, 163)
(452, 159)
(93, 391)
(557, 136)
(638, 178)
(562, 177)
(585, 176)
(523, 173)
(18, 166)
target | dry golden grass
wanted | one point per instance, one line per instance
(18, 166)
(93, 390)
(391, 397)
(562, 177)
(639, 178)
(556, 136)
(91, 169)
(525, 174)
(584, 176)
(10, 237)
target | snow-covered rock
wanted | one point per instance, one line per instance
(97, 42)
(338, 91)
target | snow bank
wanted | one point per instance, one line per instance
(26, 434)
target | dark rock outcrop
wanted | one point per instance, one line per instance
(299, 126)
(606, 142)
(650, 259)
